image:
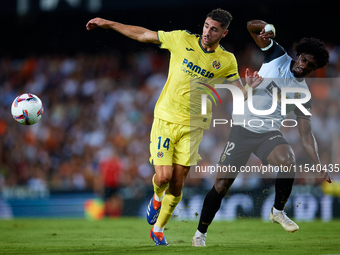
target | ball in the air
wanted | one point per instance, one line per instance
(27, 109)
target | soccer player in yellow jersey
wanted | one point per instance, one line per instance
(176, 133)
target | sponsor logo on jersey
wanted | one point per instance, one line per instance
(197, 69)
(216, 64)
(269, 90)
(280, 72)
(189, 49)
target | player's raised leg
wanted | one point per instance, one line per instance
(283, 155)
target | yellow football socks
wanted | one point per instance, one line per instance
(159, 191)
(168, 206)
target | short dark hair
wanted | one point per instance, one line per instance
(314, 47)
(221, 16)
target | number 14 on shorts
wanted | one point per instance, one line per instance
(166, 143)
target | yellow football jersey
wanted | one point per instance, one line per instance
(190, 64)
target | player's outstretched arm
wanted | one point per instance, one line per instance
(310, 146)
(134, 32)
(261, 32)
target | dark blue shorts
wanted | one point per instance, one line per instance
(243, 142)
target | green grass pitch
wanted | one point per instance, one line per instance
(131, 236)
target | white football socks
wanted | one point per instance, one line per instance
(159, 199)
(198, 234)
(157, 229)
(275, 211)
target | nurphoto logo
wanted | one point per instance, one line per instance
(238, 100)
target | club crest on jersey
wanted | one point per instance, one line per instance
(216, 64)
(160, 154)
(297, 95)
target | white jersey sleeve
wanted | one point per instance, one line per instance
(273, 52)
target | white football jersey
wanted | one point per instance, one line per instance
(277, 74)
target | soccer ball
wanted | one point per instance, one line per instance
(27, 109)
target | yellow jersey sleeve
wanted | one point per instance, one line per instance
(169, 40)
(232, 73)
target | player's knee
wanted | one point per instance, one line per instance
(162, 179)
(222, 185)
(288, 160)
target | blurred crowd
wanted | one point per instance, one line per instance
(98, 112)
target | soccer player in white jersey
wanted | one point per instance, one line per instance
(266, 141)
